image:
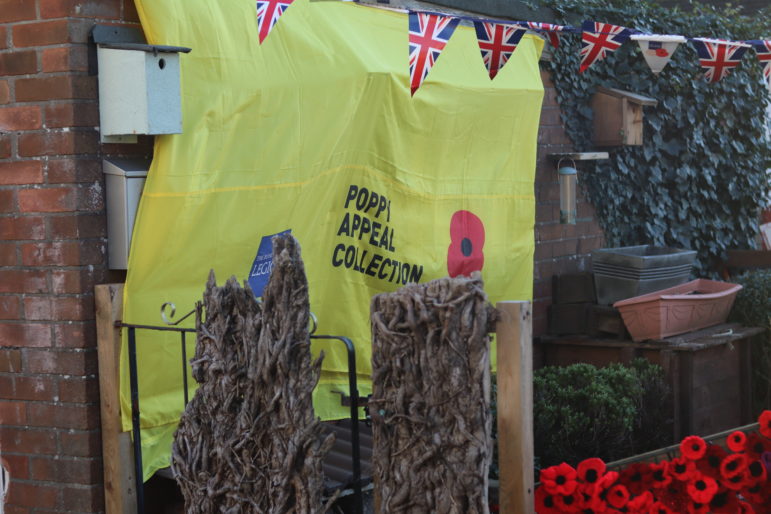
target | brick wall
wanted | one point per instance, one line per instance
(52, 252)
(558, 248)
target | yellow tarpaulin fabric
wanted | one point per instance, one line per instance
(315, 131)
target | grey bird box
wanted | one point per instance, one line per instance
(139, 86)
(618, 117)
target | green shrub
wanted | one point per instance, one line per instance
(753, 308)
(582, 411)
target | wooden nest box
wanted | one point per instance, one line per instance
(618, 117)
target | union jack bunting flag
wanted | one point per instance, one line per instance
(497, 42)
(598, 40)
(549, 30)
(268, 13)
(429, 34)
(718, 58)
(763, 50)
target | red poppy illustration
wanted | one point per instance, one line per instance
(662, 52)
(467, 240)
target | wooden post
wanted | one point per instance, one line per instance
(514, 337)
(119, 490)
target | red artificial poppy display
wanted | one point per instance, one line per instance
(736, 441)
(467, 240)
(559, 479)
(765, 423)
(693, 447)
(704, 480)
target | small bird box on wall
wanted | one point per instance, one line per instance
(618, 117)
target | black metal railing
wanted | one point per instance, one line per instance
(135, 410)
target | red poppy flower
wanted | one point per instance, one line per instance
(640, 503)
(567, 502)
(709, 464)
(662, 52)
(736, 441)
(618, 496)
(724, 502)
(559, 479)
(737, 482)
(765, 423)
(636, 477)
(733, 465)
(702, 488)
(589, 501)
(544, 502)
(591, 470)
(756, 493)
(467, 240)
(661, 476)
(757, 472)
(756, 446)
(745, 508)
(682, 469)
(693, 447)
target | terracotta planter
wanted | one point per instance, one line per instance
(676, 310)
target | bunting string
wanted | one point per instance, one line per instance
(430, 31)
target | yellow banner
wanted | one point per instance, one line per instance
(315, 132)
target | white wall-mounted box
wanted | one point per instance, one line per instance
(124, 180)
(139, 90)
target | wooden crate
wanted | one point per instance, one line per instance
(708, 371)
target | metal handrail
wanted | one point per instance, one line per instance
(135, 410)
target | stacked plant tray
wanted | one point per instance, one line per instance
(626, 272)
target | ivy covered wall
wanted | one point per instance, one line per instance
(699, 179)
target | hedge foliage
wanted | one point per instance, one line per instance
(699, 180)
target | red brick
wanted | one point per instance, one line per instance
(68, 114)
(60, 362)
(10, 362)
(41, 33)
(130, 11)
(20, 118)
(91, 198)
(17, 10)
(63, 308)
(70, 58)
(79, 9)
(18, 63)
(21, 172)
(3, 38)
(58, 143)
(13, 413)
(74, 170)
(55, 88)
(29, 441)
(18, 466)
(9, 307)
(77, 227)
(59, 253)
(5, 92)
(77, 471)
(76, 335)
(23, 281)
(55, 199)
(5, 146)
(8, 254)
(25, 334)
(83, 499)
(79, 390)
(81, 444)
(30, 495)
(62, 415)
(22, 227)
(39, 389)
(7, 203)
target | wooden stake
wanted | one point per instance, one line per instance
(119, 490)
(515, 407)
